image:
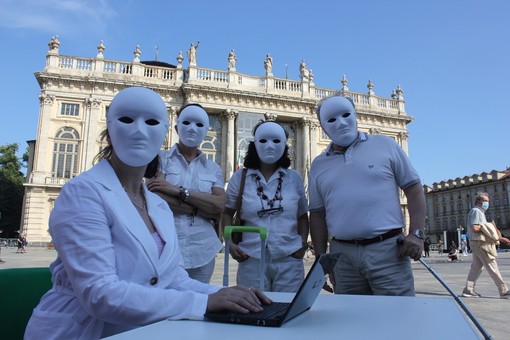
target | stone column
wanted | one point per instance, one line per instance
(90, 137)
(305, 147)
(173, 137)
(43, 148)
(403, 137)
(314, 135)
(230, 149)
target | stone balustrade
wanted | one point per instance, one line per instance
(268, 84)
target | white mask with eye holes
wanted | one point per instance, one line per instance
(192, 125)
(338, 119)
(137, 123)
(270, 142)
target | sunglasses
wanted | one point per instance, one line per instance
(270, 211)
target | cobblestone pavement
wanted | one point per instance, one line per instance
(491, 311)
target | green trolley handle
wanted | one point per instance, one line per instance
(227, 233)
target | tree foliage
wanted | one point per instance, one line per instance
(11, 190)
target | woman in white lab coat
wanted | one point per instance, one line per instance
(119, 264)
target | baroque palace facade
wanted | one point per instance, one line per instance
(76, 91)
(449, 202)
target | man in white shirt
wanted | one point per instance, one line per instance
(354, 199)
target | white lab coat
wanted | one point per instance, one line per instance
(108, 277)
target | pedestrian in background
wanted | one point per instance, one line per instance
(21, 245)
(483, 237)
(440, 247)
(426, 247)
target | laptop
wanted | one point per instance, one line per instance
(277, 313)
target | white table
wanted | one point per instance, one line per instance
(334, 317)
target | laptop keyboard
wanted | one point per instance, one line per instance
(270, 310)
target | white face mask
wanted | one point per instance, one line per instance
(137, 122)
(192, 125)
(338, 119)
(485, 205)
(270, 142)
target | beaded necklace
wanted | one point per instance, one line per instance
(277, 194)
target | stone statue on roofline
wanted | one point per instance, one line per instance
(268, 65)
(304, 74)
(192, 53)
(232, 58)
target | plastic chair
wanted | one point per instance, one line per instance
(20, 291)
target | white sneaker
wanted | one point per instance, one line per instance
(469, 294)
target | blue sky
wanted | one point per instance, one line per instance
(451, 58)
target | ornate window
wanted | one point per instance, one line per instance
(69, 109)
(245, 123)
(291, 142)
(211, 146)
(65, 153)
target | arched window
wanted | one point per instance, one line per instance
(65, 153)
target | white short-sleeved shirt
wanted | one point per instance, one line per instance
(282, 234)
(197, 238)
(359, 188)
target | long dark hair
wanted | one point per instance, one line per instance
(252, 159)
(106, 153)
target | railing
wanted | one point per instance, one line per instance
(119, 67)
(212, 75)
(260, 84)
(287, 85)
(158, 72)
(56, 181)
(359, 98)
(387, 103)
(75, 63)
(323, 93)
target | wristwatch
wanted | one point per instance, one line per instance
(419, 234)
(183, 194)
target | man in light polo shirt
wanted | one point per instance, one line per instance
(354, 198)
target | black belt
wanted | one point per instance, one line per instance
(367, 241)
